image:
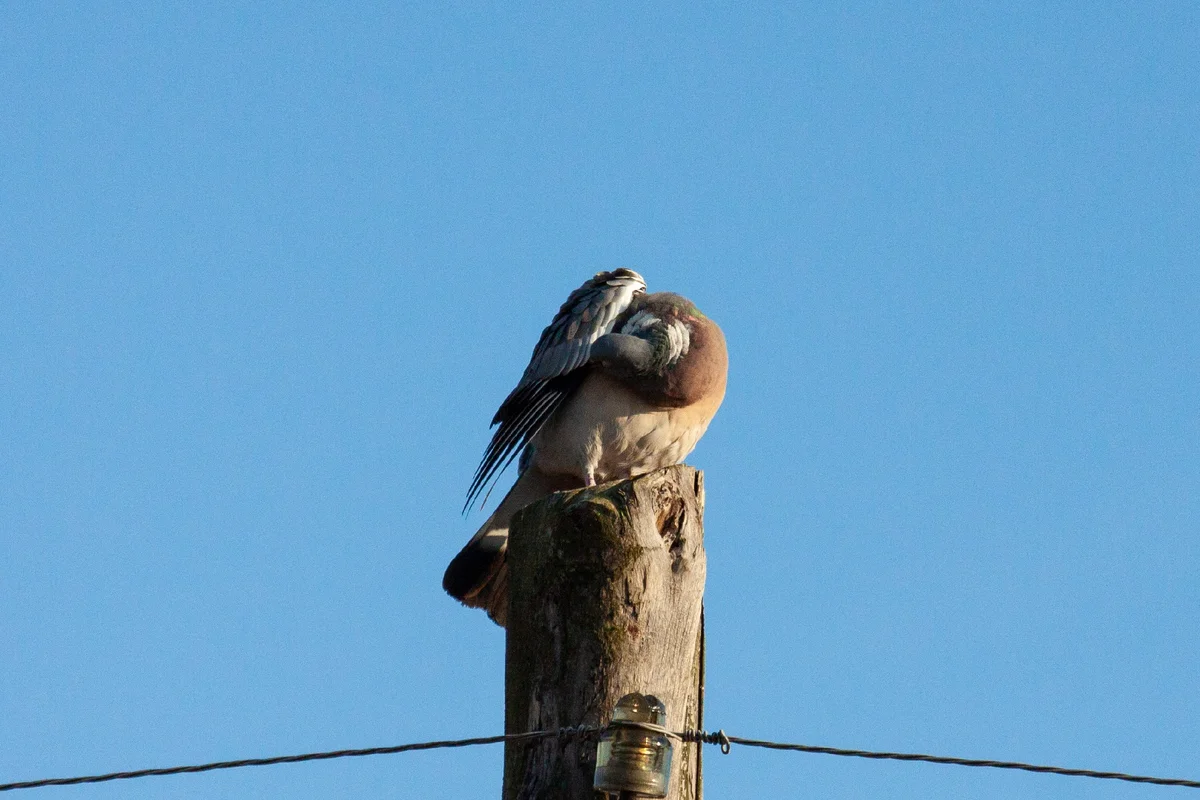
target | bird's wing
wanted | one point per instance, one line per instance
(554, 369)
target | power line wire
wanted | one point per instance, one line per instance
(263, 762)
(965, 762)
(717, 738)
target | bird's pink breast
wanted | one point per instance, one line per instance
(609, 432)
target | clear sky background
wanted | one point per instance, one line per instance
(266, 271)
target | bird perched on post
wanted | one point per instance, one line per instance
(621, 383)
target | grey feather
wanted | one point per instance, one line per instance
(554, 368)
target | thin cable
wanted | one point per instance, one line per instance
(263, 762)
(717, 738)
(720, 738)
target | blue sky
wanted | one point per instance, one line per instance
(268, 270)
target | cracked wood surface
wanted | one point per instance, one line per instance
(605, 593)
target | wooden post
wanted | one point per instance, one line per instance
(605, 593)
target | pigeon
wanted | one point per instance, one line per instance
(622, 382)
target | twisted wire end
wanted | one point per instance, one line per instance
(704, 737)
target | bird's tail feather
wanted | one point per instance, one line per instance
(478, 575)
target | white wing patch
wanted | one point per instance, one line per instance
(639, 322)
(679, 339)
(679, 336)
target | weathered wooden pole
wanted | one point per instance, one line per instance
(605, 593)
